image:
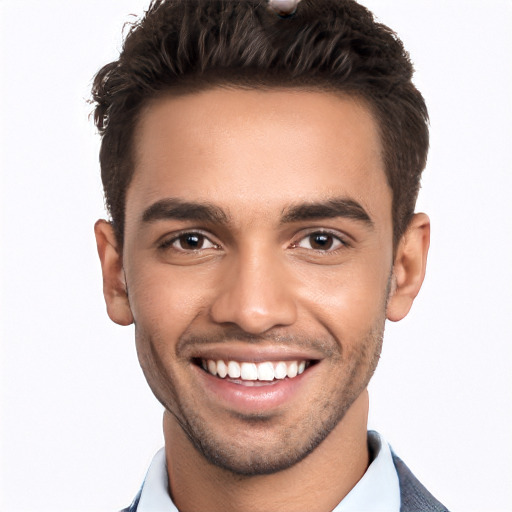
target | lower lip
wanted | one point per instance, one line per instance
(254, 399)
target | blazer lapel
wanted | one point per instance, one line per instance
(413, 495)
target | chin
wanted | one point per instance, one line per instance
(262, 446)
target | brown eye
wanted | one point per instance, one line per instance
(192, 242)
(320, 241)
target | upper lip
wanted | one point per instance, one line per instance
(254, 353)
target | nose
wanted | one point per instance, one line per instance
(256, 294)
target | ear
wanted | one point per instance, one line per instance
(114, 284)
(409, 267)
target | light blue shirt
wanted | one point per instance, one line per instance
(377, 491)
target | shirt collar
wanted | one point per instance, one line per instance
(154, 495)
(377, 491)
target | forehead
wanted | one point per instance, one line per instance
(257, 150)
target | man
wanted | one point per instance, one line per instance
(261, 164)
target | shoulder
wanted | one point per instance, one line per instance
(413, 495)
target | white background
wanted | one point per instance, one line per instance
(78, 423)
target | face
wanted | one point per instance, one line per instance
(257, 258)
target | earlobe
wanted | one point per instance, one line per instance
(409, 267)
(114, 285)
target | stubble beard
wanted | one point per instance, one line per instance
(290, 443)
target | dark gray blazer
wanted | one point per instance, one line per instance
(414, 497)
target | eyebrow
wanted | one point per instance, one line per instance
(176, 209)
(337, 207)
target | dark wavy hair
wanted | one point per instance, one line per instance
(183, 46)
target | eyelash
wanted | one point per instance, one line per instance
(335, 236)
(168, 243)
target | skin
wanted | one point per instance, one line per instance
(257, 282)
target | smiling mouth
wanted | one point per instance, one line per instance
(250, 373)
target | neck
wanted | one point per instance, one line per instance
(317, 483)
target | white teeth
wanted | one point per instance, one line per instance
(280, 370)
(222, 369)
(265, 371)
(212, 367)
(249, 371)
(233, 369)
(292, 369)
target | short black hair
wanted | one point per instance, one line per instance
(183, 46)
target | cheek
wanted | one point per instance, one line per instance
(154, 358)
(347, 299)
(163, 295)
